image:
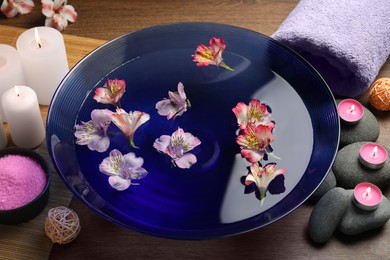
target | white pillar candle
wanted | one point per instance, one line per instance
(44, 63)
(3, 137)
(11, 72)
(25, 123)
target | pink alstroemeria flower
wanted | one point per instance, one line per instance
(255, 113)
(262, 177)
(255, 142)
(175, 105)
(94, 132)
(122, 169)
(10, 8)
(212, 54)
(129, 122)
(177, 147)
(58, 13)
(111, 92)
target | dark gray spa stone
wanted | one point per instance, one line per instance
(327, 214)
(356, 221)
(328, 184)
(367, 129)
(349, 172)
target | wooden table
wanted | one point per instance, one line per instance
(286, 238)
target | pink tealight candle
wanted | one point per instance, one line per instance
(367, 196)
(350, 111)
(373, 156)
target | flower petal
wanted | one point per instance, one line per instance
(99, 144)
(132, 161)
(118, 183)
(217, 46)
(49, 22)
(249, 179)
(192, 141)
(175, 105)
(241, 113)
(165, 108)
(23, 6)
(47, 8)
(162, 143)
(8, 10)
(101, 117)
(186, 161)
(59, 22)
(140, 118)
(203, 56)
(180, 89)
(113, 164)
(103, 95)
(58, 3)
(69, 13)
(251, 155)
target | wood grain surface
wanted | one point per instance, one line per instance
(287, 238)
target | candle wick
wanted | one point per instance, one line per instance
(39, 45)
(374, 152)
(352, 110)
(366, 194)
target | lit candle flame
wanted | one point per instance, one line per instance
(374, 152)
(37, 38)
(366, 194)
(352, 110)
(17, 92)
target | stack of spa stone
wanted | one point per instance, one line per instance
(335, 209)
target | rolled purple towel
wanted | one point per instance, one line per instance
(347, 41)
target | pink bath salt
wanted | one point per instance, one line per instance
(22, 179)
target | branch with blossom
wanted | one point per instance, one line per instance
(94, 132)
(122, 169)
(111, 92)
(58, 13)
(255, 113)
(177, 146)
(128, 123)
(10, 8)
(175, 105)
(262, 176)
(212, 54)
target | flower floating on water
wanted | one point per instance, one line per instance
(122, 169)
(177, 147)
(129, 122)
(94, 132)
(10, 8)
(175, 105)
(262, 177)
(58, 13)
(212, 54)
(111, 92)
(255, 142)
(255, 113)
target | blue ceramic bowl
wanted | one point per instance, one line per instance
(208, 200)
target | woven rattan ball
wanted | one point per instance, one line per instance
(62, 225)
(380, 94)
